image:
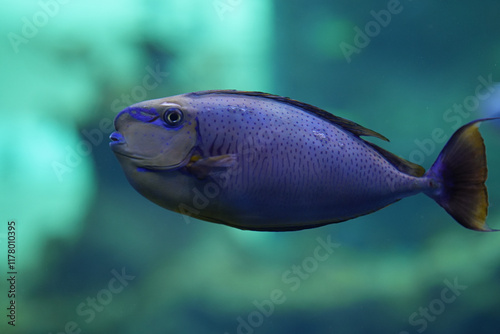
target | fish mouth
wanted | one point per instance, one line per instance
(117, 144)
(116, 139)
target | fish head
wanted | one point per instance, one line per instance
(156, 134)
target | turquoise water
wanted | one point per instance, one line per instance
(93, 256)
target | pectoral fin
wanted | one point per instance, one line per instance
(202, 167)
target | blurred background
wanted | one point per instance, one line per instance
(93, 256)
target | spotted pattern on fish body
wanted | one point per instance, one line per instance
(263, 162)
(284, 159)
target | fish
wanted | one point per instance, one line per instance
(263, 162)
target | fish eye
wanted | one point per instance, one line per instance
(173, 116)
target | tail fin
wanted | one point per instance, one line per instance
(460, 172)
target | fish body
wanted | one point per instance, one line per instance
(263, 162)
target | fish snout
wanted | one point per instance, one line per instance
(116, 139)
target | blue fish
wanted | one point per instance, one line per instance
(263, 162)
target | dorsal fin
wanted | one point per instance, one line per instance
(346, 124)
(401, 164)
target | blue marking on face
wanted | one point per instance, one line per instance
(145, 115)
